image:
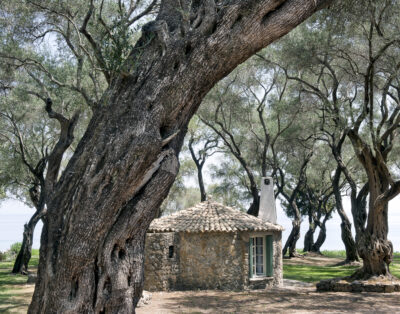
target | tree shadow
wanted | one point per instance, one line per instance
(276, 300)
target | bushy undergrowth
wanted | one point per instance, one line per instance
(11, 253)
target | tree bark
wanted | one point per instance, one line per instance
(92, 244)
(309, 239)
(295, 233)
(203, 195)
(255, 205)
(292, 239)
(347, 237)
(24, 254)
(309, 236)
(375, 249)
(199, 162)
(321, 236)
(373, 245)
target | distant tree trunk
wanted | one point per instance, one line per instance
(321, 236)
(309, 239)
(255, 205)
(92, 244)
(37, 197)
(199, 165)
(200, 160)
(292, 239)
(203, 195)
(24, 254)
(347, 237)
(295, 233)
(309, 236)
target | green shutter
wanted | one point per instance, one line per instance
(250, 258)
(270, 254)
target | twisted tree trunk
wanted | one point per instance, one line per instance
(347, 237)
(24, 254)
(373, 245)
(321, 236)
(309, 236)
(292, 239)
(92, 245)
(295, 233)
(255, 205)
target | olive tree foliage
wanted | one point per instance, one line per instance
(230, 185)
(249, 111)
(265, 130)
(315, 199)
(291, 156)
(350, 68)
(95, 42)
(33, 147)
(199, 145)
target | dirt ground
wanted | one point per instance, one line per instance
(294, 297)
(277, 300)
(313, 259)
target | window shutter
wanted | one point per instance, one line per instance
(270, 254)
(250, 258)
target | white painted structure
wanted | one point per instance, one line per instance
(267, 211)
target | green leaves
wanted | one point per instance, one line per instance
(117, 45)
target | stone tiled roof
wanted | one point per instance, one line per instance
(210, 216)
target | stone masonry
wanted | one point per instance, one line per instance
(178, 257)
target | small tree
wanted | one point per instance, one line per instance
(200, 136)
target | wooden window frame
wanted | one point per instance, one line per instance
(268, 253)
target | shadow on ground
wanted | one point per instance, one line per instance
(303, 300)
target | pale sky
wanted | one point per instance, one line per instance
(13, 215)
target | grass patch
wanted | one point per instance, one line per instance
(314, 273)
(309, 273)
(15, 294)
(395, 265)
(335, 253)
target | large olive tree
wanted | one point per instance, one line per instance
(99, 209)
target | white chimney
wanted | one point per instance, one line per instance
(267, 210)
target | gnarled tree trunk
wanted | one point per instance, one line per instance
(309, 239)
(373, 245)
(309, 236)
(295, 233)
(321, 236)
(24, 254)
(347, 237)
(92, 245)
(291, 242)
